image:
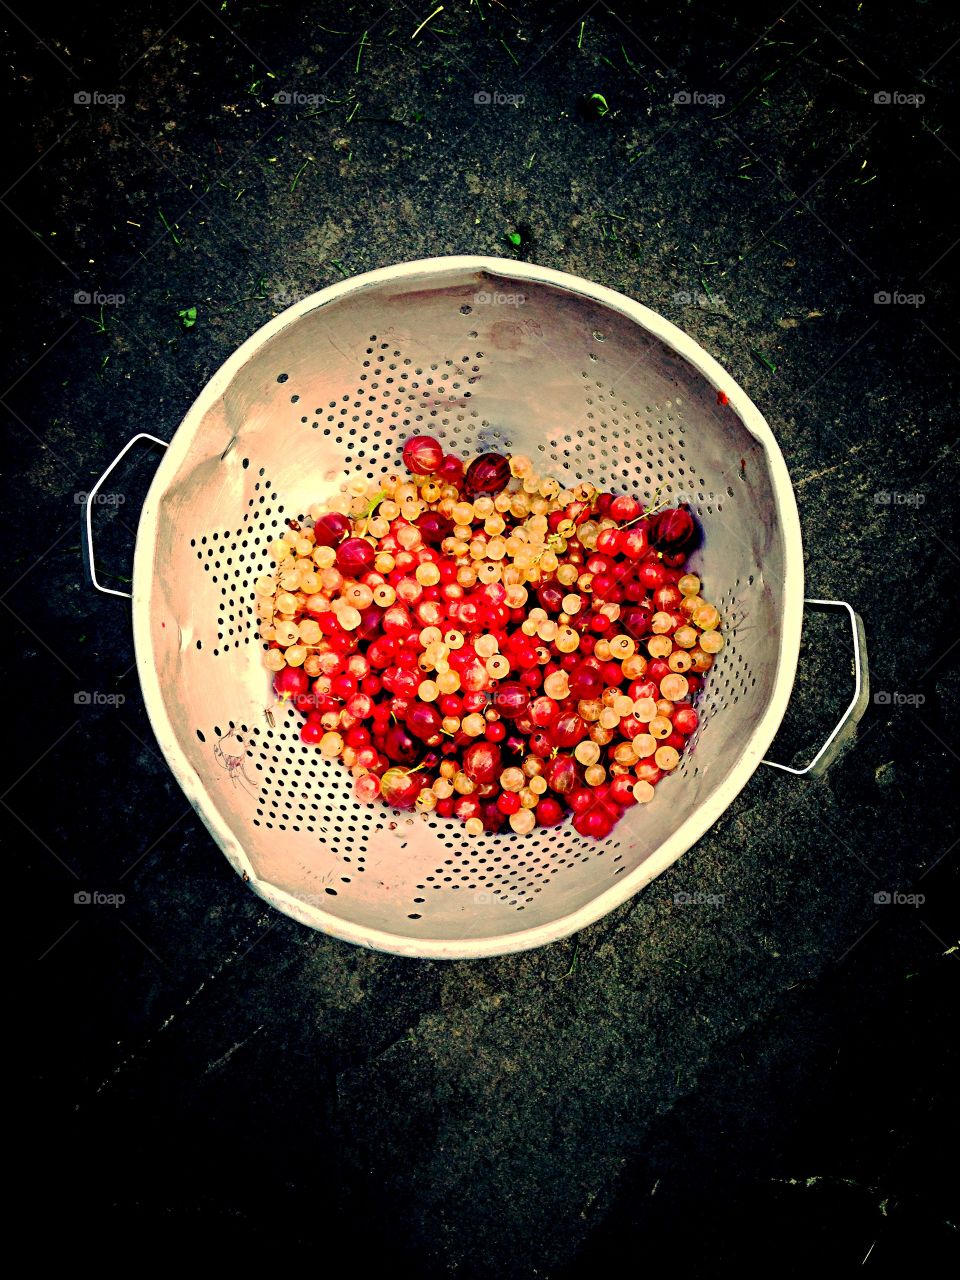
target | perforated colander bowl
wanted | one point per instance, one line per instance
(485, 355)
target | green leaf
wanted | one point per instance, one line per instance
(188, 317)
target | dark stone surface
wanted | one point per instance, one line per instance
(762, 1081)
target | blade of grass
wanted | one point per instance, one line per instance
(293, 185)
(176, 239)
(363, 45)
(438, 9)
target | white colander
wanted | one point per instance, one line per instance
(485, 355)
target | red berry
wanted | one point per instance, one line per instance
(482, 762)
(548, 812)
(511, 699)
(330, 529)
(685, 720)
(422, 455)
(487, 474)
(291, 683)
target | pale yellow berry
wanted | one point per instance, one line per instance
(512, 779)
(567, 640)
(310, 632)
(622, 647)
(523, 821)
(685, 637)
(557, 686)
(706, 617)
(661, 727)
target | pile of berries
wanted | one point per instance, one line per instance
(476, 642)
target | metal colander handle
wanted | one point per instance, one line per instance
(844, 730)
(88, 512)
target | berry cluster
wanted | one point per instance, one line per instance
(478, 642)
